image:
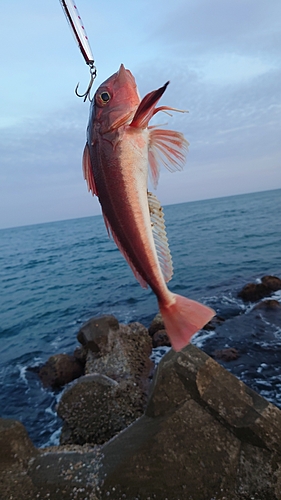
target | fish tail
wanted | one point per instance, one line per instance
(183, 318)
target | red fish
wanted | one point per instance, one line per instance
(120, 149)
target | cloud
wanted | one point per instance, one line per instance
(235, 25)
(223, 62)
(41, 172)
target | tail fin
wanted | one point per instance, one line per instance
(182, 318)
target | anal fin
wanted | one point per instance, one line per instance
(160, 236)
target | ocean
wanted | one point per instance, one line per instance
(55, 276)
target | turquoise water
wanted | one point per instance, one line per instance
(56, 276)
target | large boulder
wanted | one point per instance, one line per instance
(204, 435)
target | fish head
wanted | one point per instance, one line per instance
(116, 100)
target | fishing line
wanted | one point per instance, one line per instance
(77, 27)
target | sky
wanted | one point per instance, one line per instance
(223, 60)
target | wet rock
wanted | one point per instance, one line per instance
(254, 336)
(59, 370)
(215, 321)
(272, 282)
(229, 354)
(268, 305)
(252, 292)
(204, 435)
(160, 339)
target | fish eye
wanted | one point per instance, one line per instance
(105, 96)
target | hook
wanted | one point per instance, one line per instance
(93, 73)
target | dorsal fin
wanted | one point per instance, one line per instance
(160, 236)
(146, 108)
(166, 147)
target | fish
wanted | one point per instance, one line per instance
(121, 150)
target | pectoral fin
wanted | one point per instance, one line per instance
(166, 147)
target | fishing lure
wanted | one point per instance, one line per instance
(75, 22)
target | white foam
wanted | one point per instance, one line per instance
(200, 337)
(158, 353)
(22, 370)
(54, 439)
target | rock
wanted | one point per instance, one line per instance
(254, 335)
(272, 282)
(204, 435)
(94, 334)
(27, 473)
(268, 305)
(16, 451)
(160, 338)
(59, 370)
(215, 321)
(156, 324)
(114, 392)
(15, 444)
(96, 407)
(229, 354)
(123, 354)
(80, 353)
(253, 292)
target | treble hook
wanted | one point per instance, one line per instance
(93, 73)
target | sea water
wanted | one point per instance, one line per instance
(55, 276)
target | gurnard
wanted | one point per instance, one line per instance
(120, 150)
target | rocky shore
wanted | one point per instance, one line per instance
(188, 430)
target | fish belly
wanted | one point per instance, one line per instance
(122, 188)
